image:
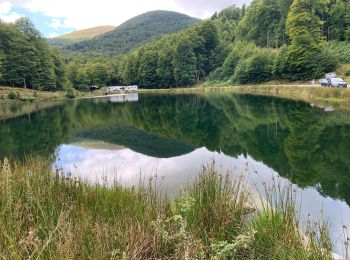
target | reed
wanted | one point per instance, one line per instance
(47, 214)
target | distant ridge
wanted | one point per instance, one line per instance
(87, 33)
(80, 35)
(135, 32)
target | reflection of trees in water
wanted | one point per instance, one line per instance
(38, 133)
(298, 141)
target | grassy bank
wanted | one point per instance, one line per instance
(19, 95)
(13, 95)
(45, 214)
(320, 96)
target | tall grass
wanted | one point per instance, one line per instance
(50, 215)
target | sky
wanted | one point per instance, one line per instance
(57, 17)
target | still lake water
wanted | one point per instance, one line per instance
(127, 136)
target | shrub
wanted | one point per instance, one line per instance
(339, 50)
(25, 98)
(325, 61)
(13, 95)
(255, 69)
(71, 94)
(240, 50)
(280, 70)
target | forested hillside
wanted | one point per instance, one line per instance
(268, 40)
(134, 32)
(26, 60)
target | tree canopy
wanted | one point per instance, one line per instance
(27, 60)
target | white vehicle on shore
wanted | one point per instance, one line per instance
(331, 80)
(115, 88)
(122, 88)
(131, 88)
(337, 83)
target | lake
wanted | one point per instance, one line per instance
(128, 137)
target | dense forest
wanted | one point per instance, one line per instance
(267, 40)
(26, 59)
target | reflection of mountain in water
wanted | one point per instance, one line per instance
(139, 141)
(303, 143)
(97, 145)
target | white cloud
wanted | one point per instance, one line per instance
(56, 23)
(80, 14)
(10, 18)
(5, 8)
(53, 35)
(5, 13)
(206, 8)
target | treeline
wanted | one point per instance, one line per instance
(82, 74)
(287, 40)
(26, 60)
(269, 40)
(181, 59)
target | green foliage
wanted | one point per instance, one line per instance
(165, 66)
(135, 32)
(2, 58)
(71, 93)
(303, 26)
(176, 60)
(26, 59)
(225, 48)
(339, 50)
(337, 26)
(131, 69)
(240, 50)
(184, 62)
(231, 13)
(13, 95)
(256, 68)
(82, 76)
(264, 23)
(148, 63)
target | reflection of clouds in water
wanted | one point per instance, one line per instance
(127, 166)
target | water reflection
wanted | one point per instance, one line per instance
(126, 166)
(174, 135)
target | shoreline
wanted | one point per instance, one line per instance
(317, 95)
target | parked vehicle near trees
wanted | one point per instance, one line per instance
(337, 83)
(332, 80)
(324, 82)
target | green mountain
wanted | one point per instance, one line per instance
(135, 32)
